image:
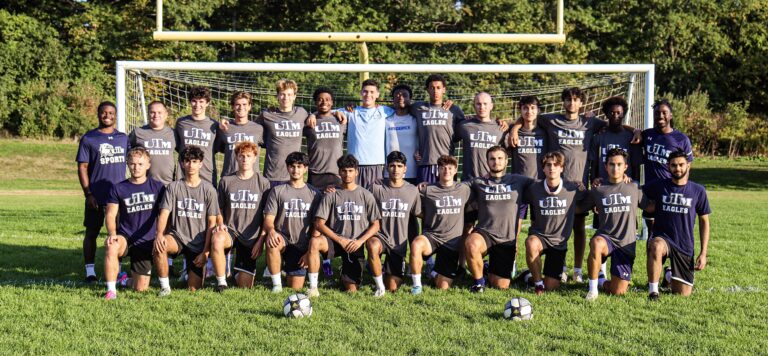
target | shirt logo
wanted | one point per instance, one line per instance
(483, 139)
(287, 128)
(109, 154)
(327, 130)
(296, 208)
(394, 208)
(190, 208)
(349, 210)
(676, 203)
(139, 202)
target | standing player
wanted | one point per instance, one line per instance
(100, 164)
(131, 223)
(287, 224)
(402, 134)
(199, 130)
(443, 205)
(241, 201)
(346, 218)
(240, 129)
(282, 131)
(160, 142)
(325, 140)
(398, 201)
(477, 135)
(615, 136)
(186, 221)
(678, 202)
(495, 196)
(616, 203)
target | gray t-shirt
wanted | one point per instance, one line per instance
(497, 201)
(226, 142)
(282, 135)
(348, 213)
(553, 213)
(397, 205)
(160, 144)
(241, 202)
(293, 211)
(436, 127)
(526, 157)
(607, 140)
(476, 138)
(443, 209)
(617, 212)
(189, 211)
(572, 138)
(325, 144)
(200, 133)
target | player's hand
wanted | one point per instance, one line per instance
(219, 228)
(589, 114)
(160, 243)
(503, 125)
(701, 262)
(201, 259)
(352, 245)
(513, 140)
(90, 200)
(422, 186)
(311, 121)
(417, 156)
(304, 260)
(274, 239)
(447, 104)
(256, 250)
(224, 125)
(111, 239)
(330, 189)
(580, 186)
(627, 179)
(597, 182)
(637, 137)
(350, 107)
(340, 116)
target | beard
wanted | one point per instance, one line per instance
(679, 175)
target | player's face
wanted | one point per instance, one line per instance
(348, 175)
(296, 171)
(138, 166)
(436, 91)
(572, 104)
(241, 108)
(286, 98)
(107, 116)
(529, 112)
(552, 170)
(157, 115)
(396, 170)
(192, 166)
(369, 94)
(483, 106)
(401, 99)
(198, 106)
(497, 161)
(616, 167)
(615, 115)
(324, 103)
(446, 172)
(246, 160)
(679, 167)
(662, 117)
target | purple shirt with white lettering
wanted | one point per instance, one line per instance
(656, 149)
(676, 210)
(137, 211)
(105, 155)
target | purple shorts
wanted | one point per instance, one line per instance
(428, 173)
(621, 261)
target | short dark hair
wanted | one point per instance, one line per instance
(156, 102)
(445, 160)
(321, 90)
(613, 101)
(528, 100)
(401, 87)
(396, 157)
(572, 92)
(347, 161)
(617, 151)
(676, 154)
(192, 153)
(434, 78)
(557, 156)
(297, 157)
(662, 102)
(369, 82)
(494, 149)
(200, 93)
(104, 104)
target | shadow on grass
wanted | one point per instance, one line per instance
(730, 178)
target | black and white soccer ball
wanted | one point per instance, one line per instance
(518, 308)
(297, 306)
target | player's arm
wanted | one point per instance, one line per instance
(111, 222)
(85, 184)
(202, 258)
(512, 138)
(326, 231)
(162, 223)
(701, 262)
(268, 227)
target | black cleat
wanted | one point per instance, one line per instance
(664, 283)
(477, 288)
(220, 288)
(653, 296)
(520, 279)
(91, 279)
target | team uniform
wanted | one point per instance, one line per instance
(226, 142)
(241, 202)
(656, 149)
(365, 140)
(200, 133)
(398, 205)
(188, 219)
(137, 220)
(348, 214)
(436, 128)
(443, 224)
(607, 140)
(572, 138)
(402, 136)
(476, 138)
(325, 143)
(675, 213)
(293, 210)
(527, 156)
(282, 135)
(105, 155)
(160, 144)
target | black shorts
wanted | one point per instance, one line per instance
(291, 256)
(470, 217)
(94, 218)
(681, 264)
(501, 256)
(351, 263)
(394, 264)
(243, 261)
(448, 261)
(189, 258)
(323, 180)
(141, 260)
(554, 262)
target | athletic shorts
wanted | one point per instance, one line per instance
(681, 264)
(554, 262)
(621, 261)
(94, 218)
(470, 217)
(394, 264)
(428, 173)
(323, 180)
(447, 262)
(243, 261)
(351, 263)
(370, 174)
(501, 256)
(189, 257)
(141, 260)
(291, 256)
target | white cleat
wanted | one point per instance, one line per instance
(379, 293)
(277, 289)
(313, 293)
(564, 277)
(590, 296)
(577, 278)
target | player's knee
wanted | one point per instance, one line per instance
(656, 248)
(532, 243)
(597, 244)
(219, 240)
(314, 243)
(473, 245)
(373, 245)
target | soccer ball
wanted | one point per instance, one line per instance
(297, 306)
(518, 308)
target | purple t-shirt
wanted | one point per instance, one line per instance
(656, 149)
(676, 210)
(105, 155)
(137, 212)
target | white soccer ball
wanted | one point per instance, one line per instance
(518, 308)
(297, 306)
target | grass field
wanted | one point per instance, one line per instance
(44, 308)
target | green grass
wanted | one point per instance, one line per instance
(44, 309)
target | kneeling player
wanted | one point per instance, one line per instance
(241, 201)
(189, 208)
(287, 223)
(442, 227)
(131, 223)
(346, 218)
(678, 201)
(398, 201)
(616, 205)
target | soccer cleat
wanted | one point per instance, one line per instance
(416, 290)
(539, 290)
(591, 296)
(220, 288)
(577, 278)
(564, 277)
(429, 266)
(653, 296)
(485, 269)
(477, 288)
(313, 293)
(183, 276)
(277, 289)
(664, 283)
(520, 279)
(601, 275)
(379, 293)
(91, 279)
(111, 295)
(327, 269)
(122, 279)
(164, 292)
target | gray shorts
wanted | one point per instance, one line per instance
(370, 174)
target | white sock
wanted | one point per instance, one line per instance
(593, 286)
(313, 280)
(577, 271)
(276, 281)
(527, 278)
(602, 268)
(112, 286)
(165, 283)
(668, 276)
(653, 287)
(222, 281)
(601, 282)
(90, 269)
(379, 282)
(170, 262)
(540, 284)
(416, 280)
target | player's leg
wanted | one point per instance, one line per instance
(221, 242)
(598, 249)
(475, 248)
(447, 266)
(553, 266)
(160, 258)
(621, 271)
(195, 273)
(501, 262)
(682, 272)
(533, 250)
(394, 270)
(141, 268)
(318, 244)
(296, 274)
(352, 269)
(245, 265)
(657, 251)
(93, 220)
(114, 249)
(374, 247)
(579, 245)
(274, 262)
(420, 247)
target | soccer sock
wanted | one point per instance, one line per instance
(379, 282)
(593, 285)
(602, 268)
(276, 281)
(653, 287)
(577, 271)
(222, 281)
(480, 281)
(668, 276)
(601, 281)
(90, 269)
(313, 280)
(165, 283)
(112, 286)
(416, 280)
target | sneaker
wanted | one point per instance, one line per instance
(313, 293)
(164, 292)
(379, 293)
(477, 288)
(485, 269)
(539, 290)
(591, 296)
(654, 297)
(664, 283)
(277, 289)
(91, 279)
(577, 278)
(327, 269)
(416, 290)
(601, 275)
(220, 288)
(564, 277)
(122, 279)
(110, 295)
(266, 273)
(520, 279)
(183, 276)
(429, 266)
